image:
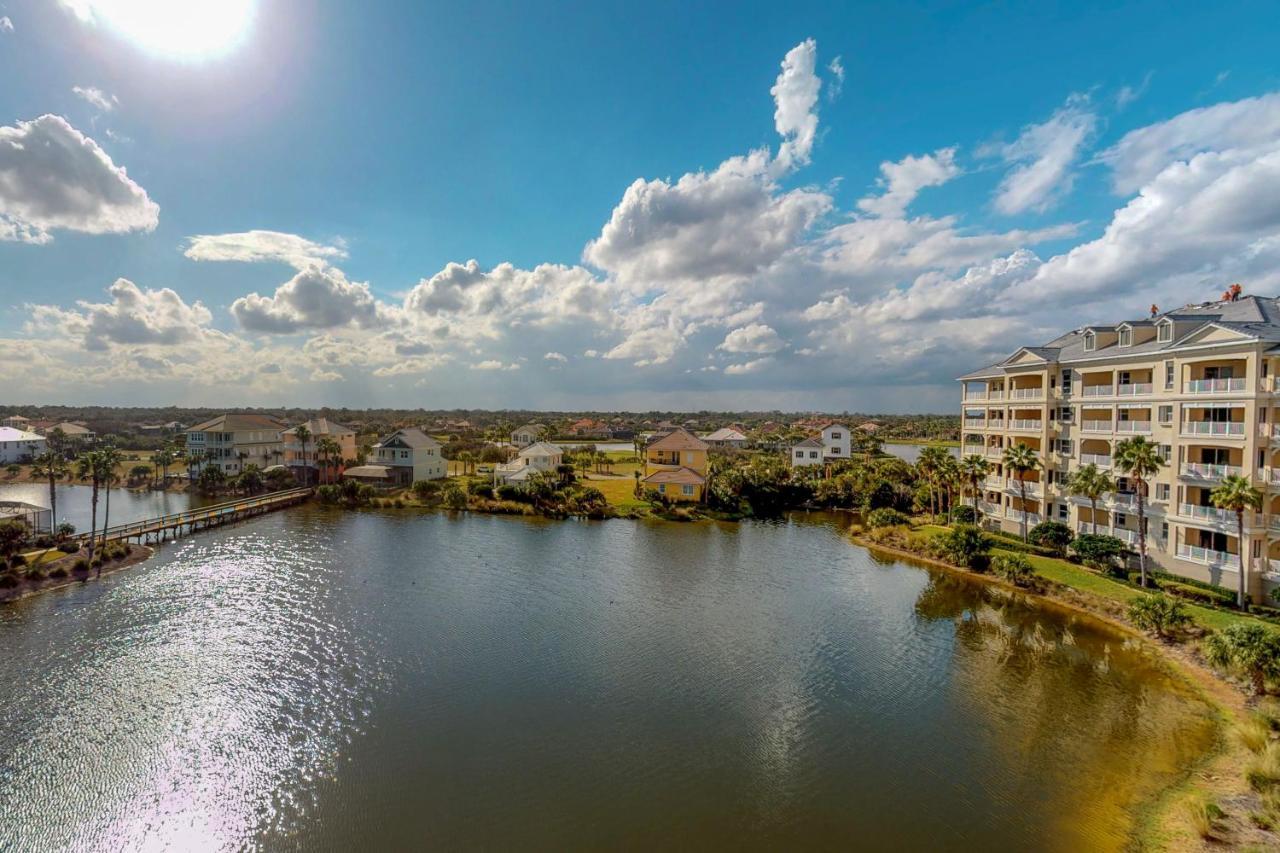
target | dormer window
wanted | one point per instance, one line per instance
(1126, 337)
(1164, 332)
(1090, 341)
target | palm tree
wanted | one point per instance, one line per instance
(330, 450)
(112, 457)
(194, 460)
(1020, 459)
(303, 435)
(930, 463)
(163, 460)
(1237, 494)
(1091, 482)
(974, 469)
(1140, 459)
(53, 466)
(92, 465)
(951, 479)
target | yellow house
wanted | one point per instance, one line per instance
(675, 466)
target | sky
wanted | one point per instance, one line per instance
(606, 206)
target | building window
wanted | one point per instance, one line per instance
(1064, 414)
(1126, 337)
(662, 488)
(813, 454)
(1162, 491)
(835, 436)
(1166, 414)
(1090, 341)
(1120, 519)
(1164, 332)
(1062, 512)
(1168, 375)
(687, 491)
(1164, 530)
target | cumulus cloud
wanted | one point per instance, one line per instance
(494, 364)
(795, 95)
(556, 357)
(95, 97)
(753, 366)
(134, 316)
(902, 181)
(6, 24)
(53, 177)
(264, 246)
(1042, 158)
(755, 338)
(315, 298)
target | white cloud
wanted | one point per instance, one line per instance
(96, 97)
(53, 177)
(315, 298)
(1128, 94)
(264, 246)
(795, 95)
(133, 316)
(1043, 156)
(752, 366)
(494, 364)
(836, 68)
(556, 357)
(902, 181)
(755, 338)
(6, 24)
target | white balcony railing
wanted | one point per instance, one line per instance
(973, 450)
(994, 452)
(1205, 471)
(1270, 476)
(1102, 460)
(1205, 555)
(1125, 535)
(1027, 393)
(988, 508)
(1097, 391)
(1025, 424)
(1228, 429)
(1095, 426)
(1033, 488)
(1269, 431)
(1206, 513)
(995, 395)
(1134, 389)
(975, 423)
(1133, 426)
(1033, 518)
(1214, 386)
(975, 395)
(1125, 499)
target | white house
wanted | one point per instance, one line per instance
(807, 452)
(726, 437)
(407, 455)
(537, 457)
(528, 434)
(835, 441)
(18, 445)
(233, 442)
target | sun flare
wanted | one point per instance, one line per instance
(188, 30)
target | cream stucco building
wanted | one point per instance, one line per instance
(1199, 382)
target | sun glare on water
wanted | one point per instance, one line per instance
(188, 30)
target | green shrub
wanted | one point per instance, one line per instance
(69, 547)
(424, 490)
(1105, 553)
(886, 517)
(965, 545)
(80, 565)
(1219, 597)
(1158, 614)
(1015, 568)
(1053, 535)
(963, 515)
(1251, 649)
(58, 572)
(17, 561)
(454, 497)
(1012, 542)
(96, 562)
(480, 489)
(8, 580)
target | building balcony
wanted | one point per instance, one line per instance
(1102, 460)
(988, 508)
(1214, 386)
(995, 395)
(1207, 556)
(1097, 391)
(1270, 476)
(993, 452)
(975, 395)
(1268, 568)
(1033, 488)
(1095, 426)
(1211, 514)
(1135, 389)
(1033, 518)
(1026, 425)
(1218, 429)
(975, 423)
(972, 450)
(1133, 426)
(1027, 394)
(1269, 431)
(1210, 473)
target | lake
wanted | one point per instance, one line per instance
(75, 502)
(911, 452)
(315, 679)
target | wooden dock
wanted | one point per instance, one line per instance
(181, 523)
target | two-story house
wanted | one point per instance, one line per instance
(675, 466)
(539, 457)
(403, 458)
(233, 442)
(528, 434)
(305, 462)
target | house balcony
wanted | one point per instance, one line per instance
(988, 508)
(1270, 476)
(1211, 514)
(1033, 489)
(1218, 429)
(1214, 386)
(1025, 425)
(1135, 389)
(993, 452)
(1102, 460)
(1097, 391)
(1096, 426)
(975, 395)
(972, 450)
(1134, 426)
(1269, 431)
(995, 395)
(1207, 472)
(1268, 568)
(1260, 521)
(975, 423)
(1027, 394)
(1033, 518)
(1207, 556)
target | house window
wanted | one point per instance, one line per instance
(1164, 332)
(687, 491)
(799, 454)
(1120, 519)
(1168, 375)
(1066, 382)
(1090, 341)
(1164, 530)
(1162, 491)
(835, 436)
(1064, 414)
(1166, 452)
(1166, 414)
(1126, 337)
(813, 454)
(662, 488)
(1062, 512)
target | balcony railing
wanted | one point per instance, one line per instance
(975, 423)
(1033, 518)
(1102, 460)
(975, 395)
(994, 452)
(1095, 426)
(1214, 386)
(1097, 391)
(1025, 424)
(1205, 555)
(1134, 389)
(995, 395)
(1269, 431)
(988, 508)
(1121, 533)
(1011, 486)
(1027, 393)
(1271, 476)
(973, 449)
(1133, 426)
(1206, 471)
(1206, 513)
(1125, 499)
(1228, 429)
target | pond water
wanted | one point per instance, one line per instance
(315, 679)
(75, 502)
(911, 452)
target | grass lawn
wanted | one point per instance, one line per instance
(619, 493)
(1078, 577)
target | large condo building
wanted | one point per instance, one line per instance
(1199, 381)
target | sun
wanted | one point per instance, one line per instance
(189, 30)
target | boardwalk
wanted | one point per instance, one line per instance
(179, 523)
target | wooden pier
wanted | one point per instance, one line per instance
(181, 523)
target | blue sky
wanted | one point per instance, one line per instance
(800, 206)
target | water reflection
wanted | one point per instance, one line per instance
(318, 679)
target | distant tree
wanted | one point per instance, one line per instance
(1021, 459)
(1247, 647)
(1091, 483)
(1237, 494)
(1140, 459)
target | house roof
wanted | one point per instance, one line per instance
(321, 426)
(678, 476)
(531, 428)
(869, 426)
(809, 442)
(411, 436)
(234, 422)
(69, 428)
(15, 434)
(540, 448)
(679, 439)
(725, 434)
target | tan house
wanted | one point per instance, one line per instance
(1200, 382)
(306, 464)
(675, 466)
(233, 442)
